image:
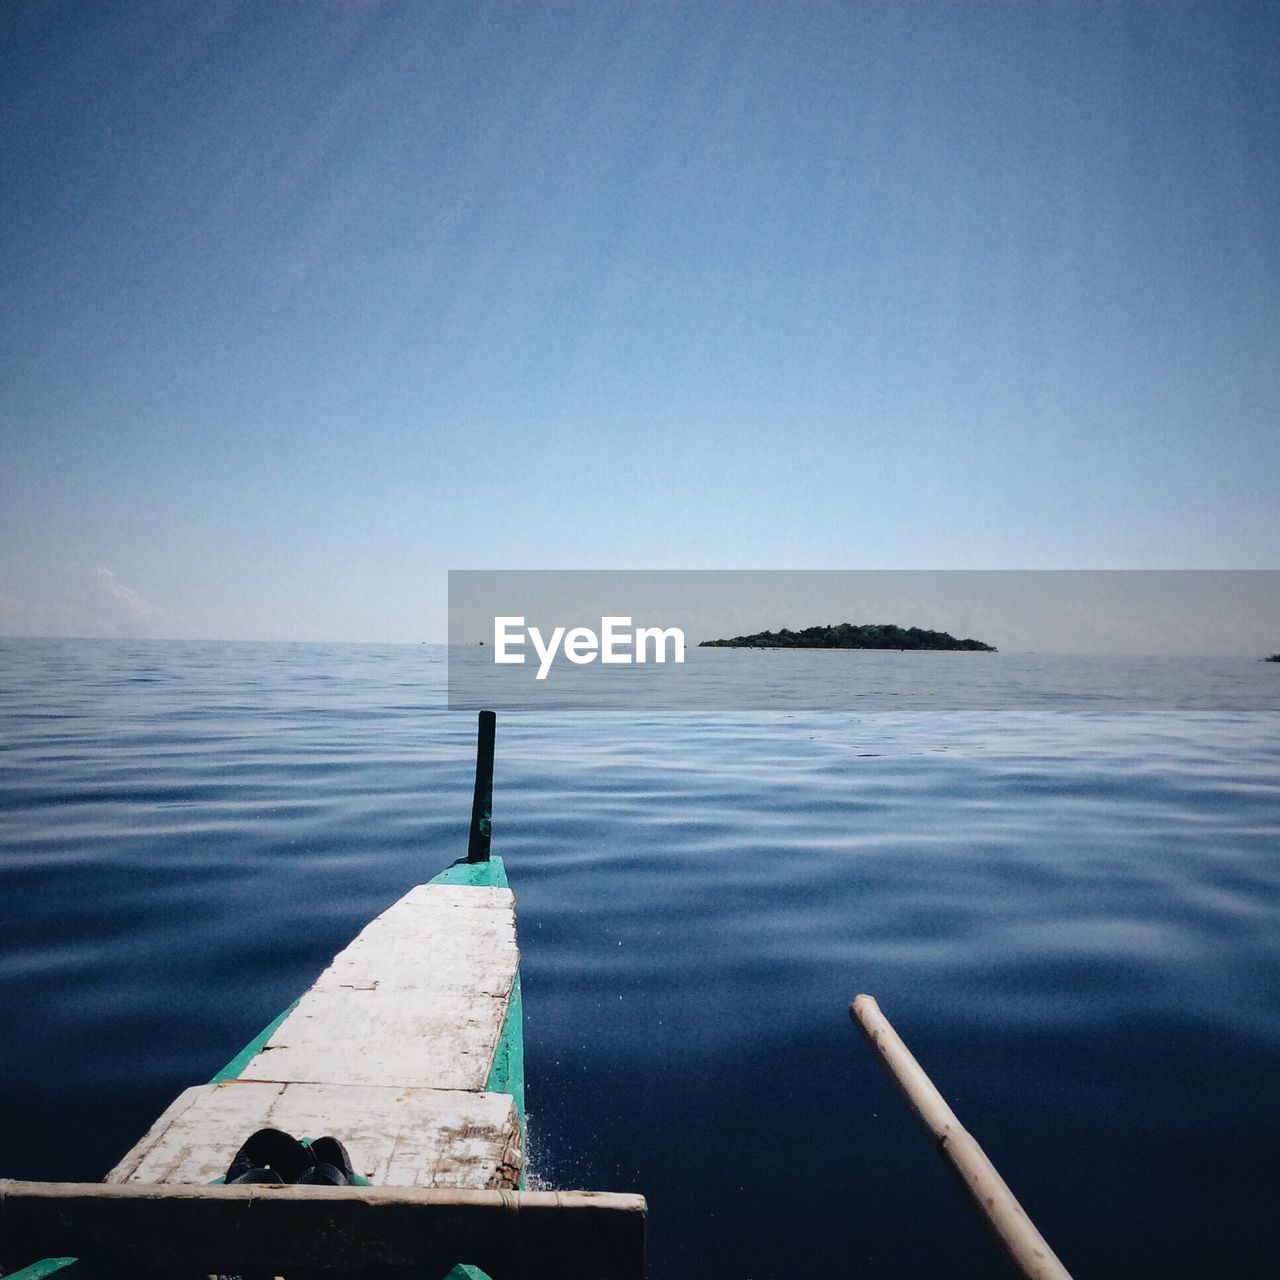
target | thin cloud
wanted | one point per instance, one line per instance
(90, 603)
(120, 609)
(133, 601)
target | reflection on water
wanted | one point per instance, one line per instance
(1071, 918)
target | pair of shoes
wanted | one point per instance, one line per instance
(272, 1156)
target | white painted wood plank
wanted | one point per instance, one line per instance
(410, 1037)
(396, 1137)
(436, 947)
(418, 999)
(470, 897)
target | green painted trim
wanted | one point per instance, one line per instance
(479, 875)
(39, 1270)
(255, 1046)
(507, 1073)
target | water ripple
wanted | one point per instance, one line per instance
(1074, 920)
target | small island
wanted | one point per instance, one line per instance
(846, 635)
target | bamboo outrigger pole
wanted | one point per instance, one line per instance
(1027, 1248)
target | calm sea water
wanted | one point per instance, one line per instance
(1070, 915)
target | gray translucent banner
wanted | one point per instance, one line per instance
(867, 640)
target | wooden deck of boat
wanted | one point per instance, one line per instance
(392, 1050)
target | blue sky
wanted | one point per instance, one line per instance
(306, 304)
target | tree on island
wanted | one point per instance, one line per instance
(845, 635)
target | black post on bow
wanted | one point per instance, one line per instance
(482, 802)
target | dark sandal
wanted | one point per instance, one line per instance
(256, 1175)
(329, 1152)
